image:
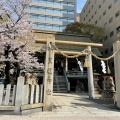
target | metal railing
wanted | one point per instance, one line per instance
(67, 82)
(76, 73)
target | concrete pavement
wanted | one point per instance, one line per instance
(73, 107)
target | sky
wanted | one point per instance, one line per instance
(80, 4)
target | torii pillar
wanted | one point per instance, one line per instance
(90, 75)
(48, 75)
(116, 46)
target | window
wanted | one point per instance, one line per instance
(49, 17)
(100, 18)
(92, 16)
(111, 19)
(106, 51)
(89, 20)
(110, 6)
(71, 4)
(57, 2)
(105, 38)
(117, 14)
(105, 24)
(118, 29)
(56, 26)
(62, 27)
(91, 6)
(64, 11)
(64, 3)
(49, 9)
(34, 16)
(41, 16)
(70, 20)
(96, 12)
(99, 6)
(96, 22)
(42, 8)
(104, 12)
(34, 7)
(48, 26)
(41, 25)
(71, 12)
(64, 19)
(112, 33)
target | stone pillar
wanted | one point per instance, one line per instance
(1, 93)
(19, 95)
(48, 75)
(90, 75)
(116, 46)
(66, 65)
(7, 96)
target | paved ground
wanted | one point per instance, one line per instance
(73, 107)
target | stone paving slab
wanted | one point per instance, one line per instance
(72, 107)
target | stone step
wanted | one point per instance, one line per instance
(59, 91)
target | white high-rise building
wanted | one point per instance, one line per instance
(52, 15)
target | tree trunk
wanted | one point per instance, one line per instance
(7, 72)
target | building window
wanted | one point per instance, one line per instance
(92, 16)
(118, 29)
(105, 24)
(112, 33)
(96, 22)
(99, 6)
(117, 14)
(99, 18)
(89, 11)
(96, 12)
(89, 20)
(111, 19)
(91, 6)
(104, 12)
(105, 38)
(106, 51)
(110, 6)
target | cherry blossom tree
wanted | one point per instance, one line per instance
(16, 37)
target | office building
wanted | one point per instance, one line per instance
(52, 15)
(105, 14)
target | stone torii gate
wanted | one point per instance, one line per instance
(49, 68)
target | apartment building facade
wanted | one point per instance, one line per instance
(52, 15)
(105, 14)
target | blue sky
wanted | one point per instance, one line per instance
(80, 4)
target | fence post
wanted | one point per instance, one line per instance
(7, 96)
(41, 93)
(14, 94)
(19, 95)
(1, 93)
